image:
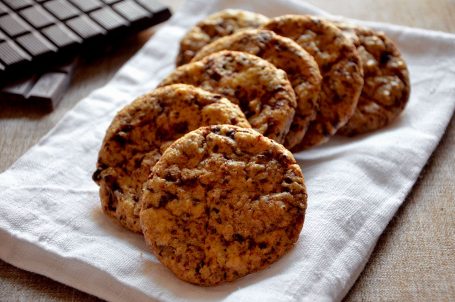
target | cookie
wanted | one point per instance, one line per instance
(215, 26)
(262, 91)
(140, 133)
(340, 67)
(300, 67)
(211, 213)
(386, 86)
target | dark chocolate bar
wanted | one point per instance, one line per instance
(37, 34)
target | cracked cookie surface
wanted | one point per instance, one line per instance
(340, 67)
(215, 26)
(262, 91)
(140, 133)
(300, 67)
(386, 86)
(212, 213)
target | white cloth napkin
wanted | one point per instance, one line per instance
(50, 217)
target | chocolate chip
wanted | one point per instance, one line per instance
(199, 266)
(127, 128)
(251, 244)
(287, 180)
(138, 162)
(170, 177)
(384, 58)
(97, 174)
(181, 127)
(165, 198)
(163, 134)
(214, 75)
(189, 182)
(284, 160)
(336, 98)
(120, 138)
(234, 121)
(230, 134)
(268, 95)
(238, 237)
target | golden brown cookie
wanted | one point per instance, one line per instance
(340, 67)
(140, 133)
(215, 26)
(211, 212)
(262, 91)
(300, 67)
(386, 86)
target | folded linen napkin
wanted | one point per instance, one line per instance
(51, 222)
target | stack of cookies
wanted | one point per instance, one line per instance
(201, 165)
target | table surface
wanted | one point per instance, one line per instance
(414, 258)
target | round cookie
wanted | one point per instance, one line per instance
(300, 67)
(215, 26)
(211, 213)
(340, 67)
(386, 86)
(140, 133)
(262, 91)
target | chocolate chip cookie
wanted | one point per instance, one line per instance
(386, 86)
(300, 67)
(211, 213)
(140, 133)
(340, 67)
(215, 26)
(262, 91)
